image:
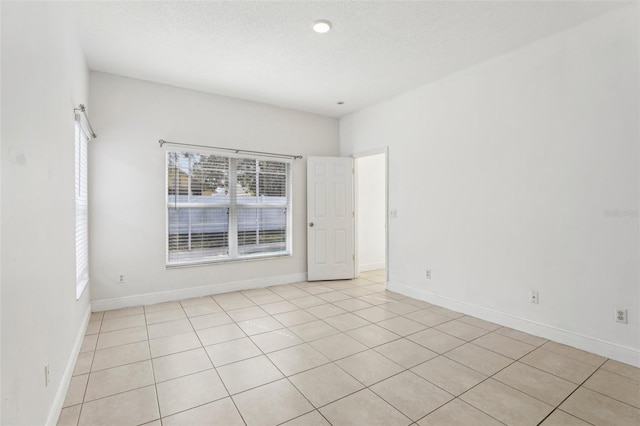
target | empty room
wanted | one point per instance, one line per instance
(320, 213)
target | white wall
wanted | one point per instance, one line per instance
(127, 184)
(0, 216)
(43, 77)
(502, 176)
(371, 187)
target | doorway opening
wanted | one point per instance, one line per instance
(371, 194)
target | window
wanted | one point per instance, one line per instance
(82, 209)
(222, 208)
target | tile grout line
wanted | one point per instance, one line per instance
(521, 391)
(600, 393)
(389, 402)
(212, 366)
(572, 392)
(372, 348)
(334, 362)
(148, 343)
(288, 377)
(135, 362)
(153, 369)
(476, 385)
(284, 376)
(84, 394)
(216, 370)
(487, 378)
(303, 309)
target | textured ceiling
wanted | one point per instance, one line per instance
(265, 51)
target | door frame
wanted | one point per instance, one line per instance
(369, 153)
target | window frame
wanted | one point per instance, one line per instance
(233, 207)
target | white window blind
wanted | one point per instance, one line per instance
(82, 208)
(225, 208)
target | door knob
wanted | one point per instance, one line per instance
(311, 224)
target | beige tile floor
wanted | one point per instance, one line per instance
(334, 353)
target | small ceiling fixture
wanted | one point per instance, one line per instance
(340, 102)
(322, 26)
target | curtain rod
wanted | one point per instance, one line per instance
(237, 151)
(83, 110)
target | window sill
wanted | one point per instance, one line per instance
(226, 260)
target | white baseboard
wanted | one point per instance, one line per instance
(187, 293)
(590, 344)
(61, 393)
(371, 267)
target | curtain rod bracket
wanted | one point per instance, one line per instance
(83, 110)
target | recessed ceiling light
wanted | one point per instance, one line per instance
(322, 26)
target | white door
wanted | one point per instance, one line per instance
(330, 218)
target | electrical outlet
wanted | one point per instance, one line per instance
(621, 315)
(121, 279)
(533, 296)
(47, 375)
(428, 274)
(393, 213)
